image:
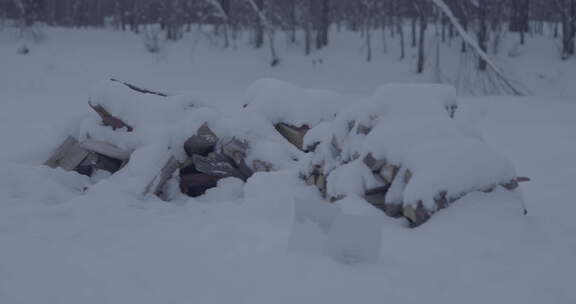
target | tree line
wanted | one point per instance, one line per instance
(310, 23)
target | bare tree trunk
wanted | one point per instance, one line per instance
(568, 28)
(482, 32)
(399, 25)
(293, 21)
(413, 44)
(421, 36)
(259, 28)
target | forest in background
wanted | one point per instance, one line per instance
(310, 24)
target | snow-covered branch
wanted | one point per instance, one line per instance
(472, 43)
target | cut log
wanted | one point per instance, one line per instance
(159, 182)
(68, 155)
(417, 214)
(108, 119)
(374, 164)
(216, 165)
(387, 173)
(202, 143)
(394, 204)
(235, 150)
(377, 196)
(295, 135)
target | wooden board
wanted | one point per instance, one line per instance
(162, 178)
(68, 155)
(295, 135)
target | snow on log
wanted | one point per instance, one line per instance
(414, 157)
(88, 157)
(292, 109)
(122, 105)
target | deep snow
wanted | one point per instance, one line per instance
(58, 245)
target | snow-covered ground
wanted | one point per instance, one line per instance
(230, 246)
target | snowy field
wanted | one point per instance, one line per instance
(230, 245)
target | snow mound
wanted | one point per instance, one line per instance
(405, 152)
(416, 99)
(283, 102)
(39, 184)
(158, 137)
(139, 109)
(454, 167)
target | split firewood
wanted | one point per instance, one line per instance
(158, 184)
(88, 157)
(318, 178)
(374, 164)
(393, 205)
(295, 135)
(216, 165)
(68, 155)
(417, 214)
(377, 196)
(387, 173)
(202, 143)
(237, 150)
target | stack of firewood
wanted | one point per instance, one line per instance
(208, 157)
(88, 156)
(343, 154)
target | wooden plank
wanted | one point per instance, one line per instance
(68, 155)
(60, 152)
(162, 178)
(295, 135)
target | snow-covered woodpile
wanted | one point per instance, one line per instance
(403, 149)
(405, 152)
(198, 145)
